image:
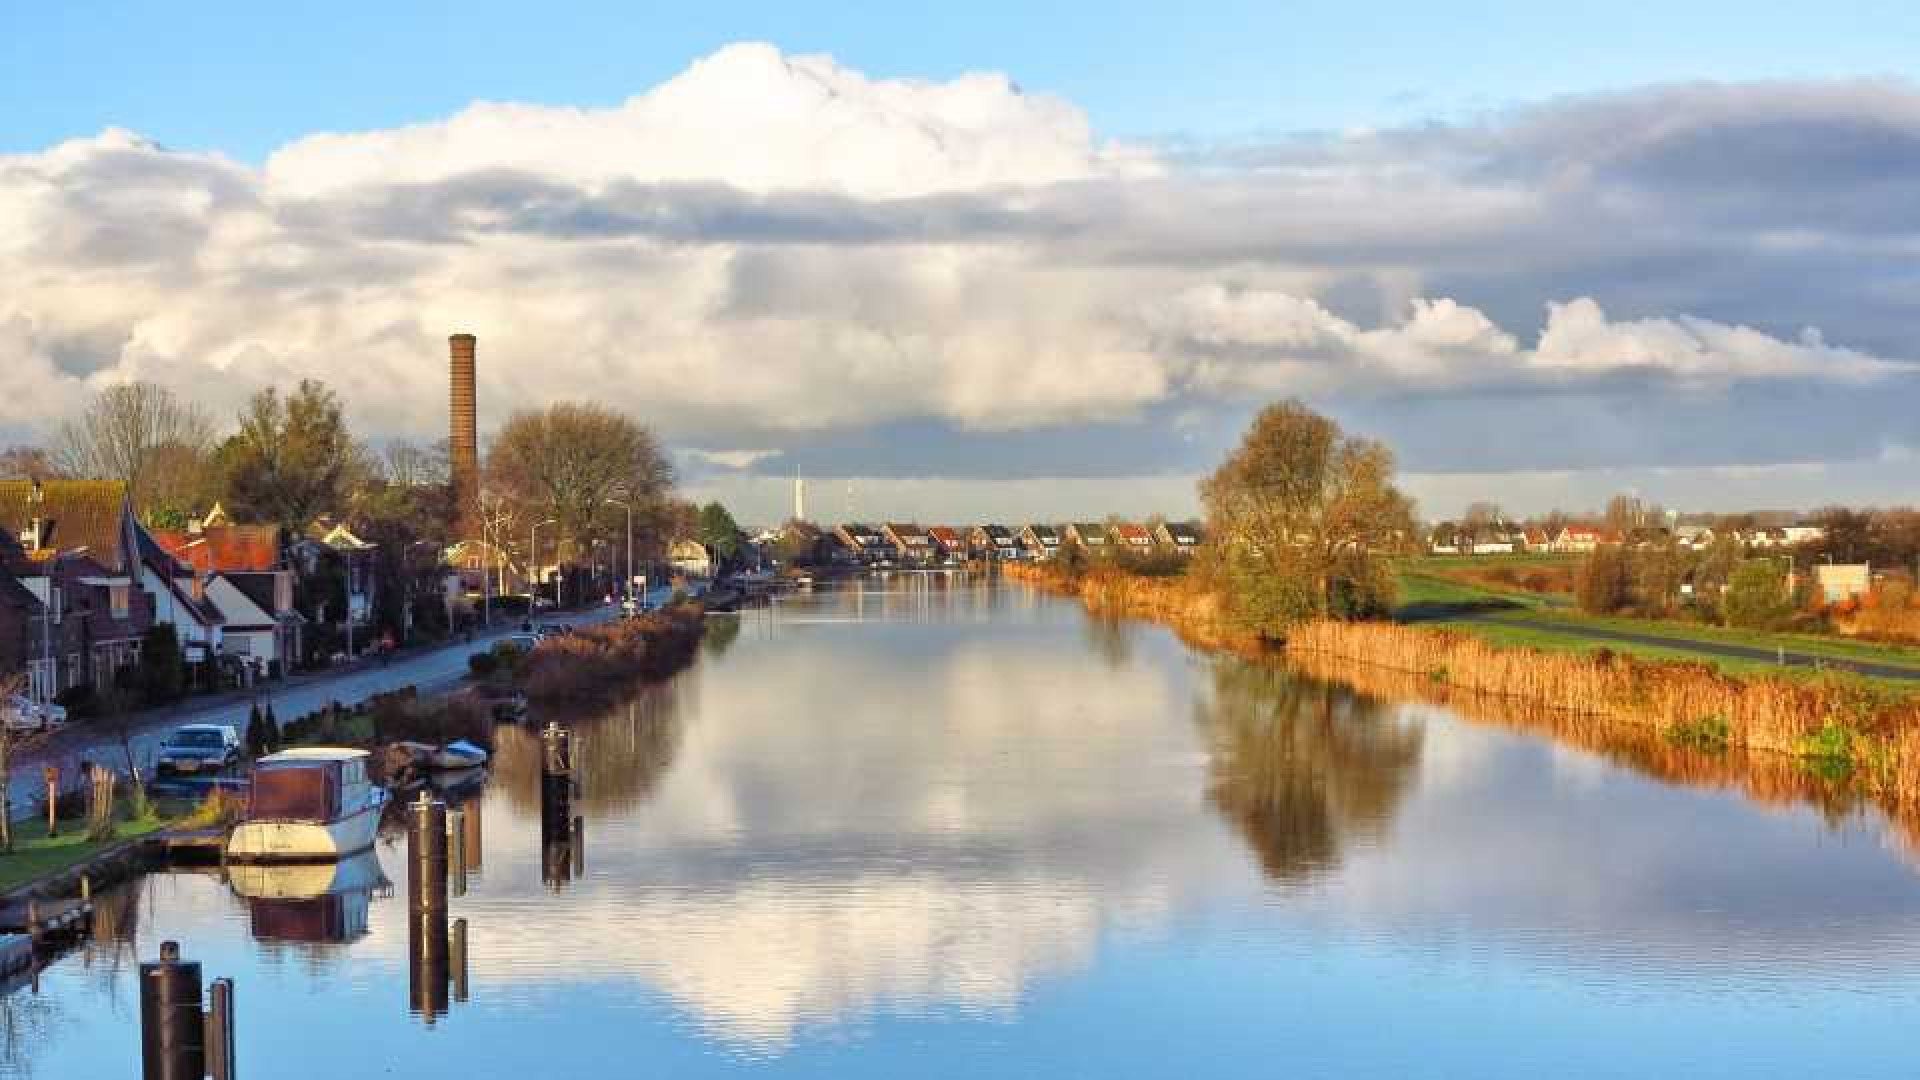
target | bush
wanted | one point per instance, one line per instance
(595, 661)
(1757, 596)
(483, 665)
(162, 675)
(1605, 582)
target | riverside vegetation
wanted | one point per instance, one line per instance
(1320, 606)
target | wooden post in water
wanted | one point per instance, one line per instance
(220, 1030)
(556, 806)
(427, 907)
(475, 849)
(457, 851)
(457, 957)
(579, 842)
(172, 1036)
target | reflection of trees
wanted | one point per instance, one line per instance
(720, 636)
(620, 754)
(29, 1020)
(1302, 767)
(1111, 639)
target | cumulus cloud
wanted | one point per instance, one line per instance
(776, 251)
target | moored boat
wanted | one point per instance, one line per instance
(310, 804)
(459, 754)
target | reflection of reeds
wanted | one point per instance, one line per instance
(1633, 711)
(620, 753)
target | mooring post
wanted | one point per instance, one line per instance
(86, 888)
(427, 907)
(172, 1034)
(579, 848)
(220, 1030)
(457, 957)
(457, 851)
(51, 774)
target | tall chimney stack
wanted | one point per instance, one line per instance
(463, 436)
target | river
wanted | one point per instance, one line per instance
(938, 827)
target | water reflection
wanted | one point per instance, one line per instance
(310, 903)
(1303, 768)
(933, 829)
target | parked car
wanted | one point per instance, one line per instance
(517, 643)
(199, 748)
(25, 716)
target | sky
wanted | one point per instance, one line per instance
(1001, 262)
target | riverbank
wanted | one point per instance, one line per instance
(1831, 724)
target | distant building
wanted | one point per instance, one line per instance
(949, 541)
(1041, 541)
(1132, 539)
(690, 557)
(861, 543)
(1182, 537)
(910, 542)
(1578, 538)
(1840, 582)
(241, 570)
(1089, 535)
(994, 542)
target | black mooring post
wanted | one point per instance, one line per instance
(220, 1064)
(457, 957)
(579, 848)
(172, 1034)
(427, 908)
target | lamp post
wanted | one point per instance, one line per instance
(533, 551)
(628, 589)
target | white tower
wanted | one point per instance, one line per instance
(799, 495)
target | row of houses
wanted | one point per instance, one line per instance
(916, 544)
(1579, 539)
(82, 582)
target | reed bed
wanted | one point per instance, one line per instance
(1840, 720)
(599, 661)
(1776, 738)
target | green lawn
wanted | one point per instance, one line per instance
(1529, 619)
(35, 855)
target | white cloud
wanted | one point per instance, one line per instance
(767, 249)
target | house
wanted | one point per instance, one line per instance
(1696, 537)
(911, 542)
(949, 541)
(994, 542)
(330, 540)
(690, 557)
(1577, 538)
(1184, 538)
(1535, 538)
(1041, 541)
(104, 577)
(1840, 582)
(1795, 535)
(1091, 536)
(23, 626)
(861, 543)
(1495, 544)
(485, 568)
(1129, 538)
(243, 572)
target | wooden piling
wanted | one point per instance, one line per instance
(457, 957)
(172, 1034)
(457, 852)
(220, 1031)
(427, 908)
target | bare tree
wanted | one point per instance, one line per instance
(568, 461)
(24, 462)
(139, 433)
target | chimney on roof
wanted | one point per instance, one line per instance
(463, 437)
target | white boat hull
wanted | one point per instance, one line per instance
(296, 841)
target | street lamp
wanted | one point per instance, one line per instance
(629, 505)
(533, 551)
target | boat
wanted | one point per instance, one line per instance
(459, 754)
(312, 804)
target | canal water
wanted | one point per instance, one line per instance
(937, 827)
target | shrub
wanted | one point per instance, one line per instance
(1757, 596)
(483, 665)
(595, 661)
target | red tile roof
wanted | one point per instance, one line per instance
(225, 548)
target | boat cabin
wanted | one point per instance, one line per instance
(317, 784)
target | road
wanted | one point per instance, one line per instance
(1693, 645)
(429, 669)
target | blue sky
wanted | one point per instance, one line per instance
(1003, 260)
(245, 77)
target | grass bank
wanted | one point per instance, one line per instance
(1826, 723)
(37, 856)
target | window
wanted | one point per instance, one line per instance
(73, 671)
(119, 595)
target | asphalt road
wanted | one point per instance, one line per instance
(429, 670)
(1703, 648)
